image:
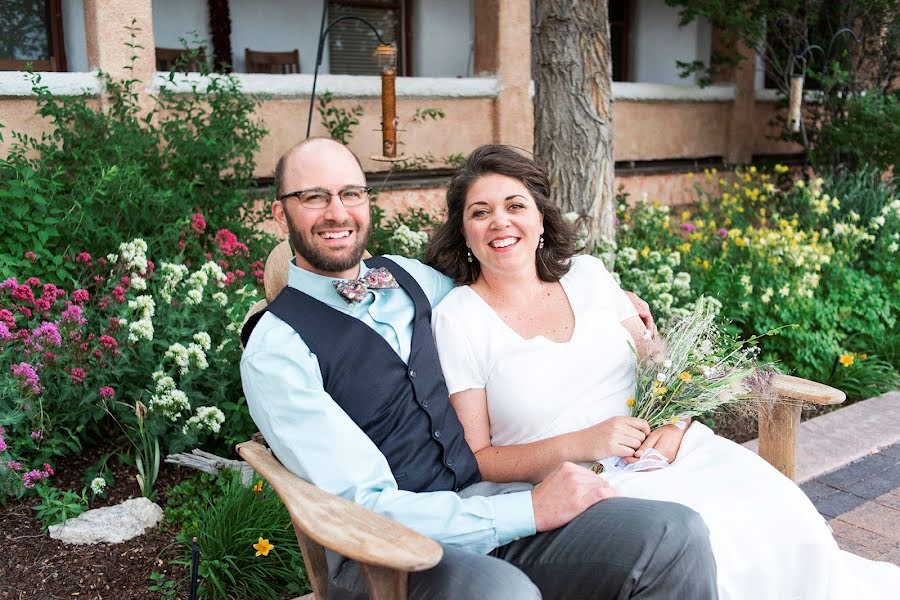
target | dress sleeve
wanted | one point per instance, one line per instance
(608, 288)
(462, 368)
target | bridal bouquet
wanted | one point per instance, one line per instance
(694, 369)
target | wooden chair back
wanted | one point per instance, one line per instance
(277, 63)
(191, 61)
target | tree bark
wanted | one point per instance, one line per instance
(573, 110)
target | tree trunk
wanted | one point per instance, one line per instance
(573, 110)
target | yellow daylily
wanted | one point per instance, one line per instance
(263, 547)
(257, 487)
(846, 359)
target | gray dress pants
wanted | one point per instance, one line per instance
(619, 548)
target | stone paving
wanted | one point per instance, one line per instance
(862, 504)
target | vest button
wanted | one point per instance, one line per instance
(412, 373)
(424, 403)
(437, 433)
(449, 462)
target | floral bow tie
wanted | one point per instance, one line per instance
(355, 290)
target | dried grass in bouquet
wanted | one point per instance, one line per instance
(695, 367)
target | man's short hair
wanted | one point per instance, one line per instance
(282, 162)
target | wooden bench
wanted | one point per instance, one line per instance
(388, 551)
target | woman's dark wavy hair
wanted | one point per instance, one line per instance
(447, 251)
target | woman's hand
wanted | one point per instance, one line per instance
(617, 436)
(666, 440)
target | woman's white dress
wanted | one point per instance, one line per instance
(769, 541)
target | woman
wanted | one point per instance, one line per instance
(535, 351)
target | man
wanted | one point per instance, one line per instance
(345, 385)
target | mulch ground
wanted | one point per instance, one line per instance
(34, 566)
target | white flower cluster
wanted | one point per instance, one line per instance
(409, 242)
(652, 274)
(98, 484)
(171, 275)
(200, 278)
(134, 256)
(208, 418)
(144, 308)
(192, 356)
(168, 399)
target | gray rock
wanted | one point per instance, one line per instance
(110, 524)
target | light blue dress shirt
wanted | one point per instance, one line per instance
(314, 438)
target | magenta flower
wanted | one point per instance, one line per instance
(110, 343)
(83, 257)
(37, 435)
(722, 233)
(30, 478)
(14, 465)
(27, 375)
(80, 296)
(30, 256)
(78, 375)
(228, 243)
(689, 227)
(7, 318)
(51, 292)
(11, 282)
(5, 334)
(48, 470)
(3, 445)
(33, 282)
(23, 293)
(42, 305)
(198, 223)
(49, 333)
(118, 294)
(74, 314)
(107, 392)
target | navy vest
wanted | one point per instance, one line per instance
(404, 409)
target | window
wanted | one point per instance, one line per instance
(31, 33)
(351, 44)
(619, 21)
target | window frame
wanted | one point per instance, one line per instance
(404, 51)
(57, 58)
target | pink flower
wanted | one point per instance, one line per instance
(150, 268)
(49, 333)
(103, 302)
(30, 478)
(7, 318)
(239, 273)
(83, 257)
(99, 278)
(30, 256)
(109, 342)
(9, 283)
(722, 233)
(51, 292)
(49, 356)
(229, 278)
(97, 353)
(80, 296)
(37, 436)
(118, 294)
(23, 293)
(24, 310)
(228, 243)
(125, 280)
(42, 305)
(101, 261)
(107, 392)
(74, 314)
(33, 282)
(689, 227)
(3, 445)
(27, 375)
(198, 223)
(48, 470)
(14, 465)
(78, 375)
(4, 332)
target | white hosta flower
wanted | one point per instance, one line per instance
(202, 338)
(207, 418)
(98, 484)
(221, 298)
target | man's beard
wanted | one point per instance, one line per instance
(321, 261)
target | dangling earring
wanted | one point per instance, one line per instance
(541, 242)
(468, 255)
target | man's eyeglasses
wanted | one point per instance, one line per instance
(350, 196)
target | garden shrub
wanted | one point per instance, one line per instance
(867, 132)
(820, 254)
(115, 171)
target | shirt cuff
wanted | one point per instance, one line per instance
(513, 516)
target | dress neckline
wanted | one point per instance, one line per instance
(567, 292)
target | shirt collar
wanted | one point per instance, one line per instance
(320, 287)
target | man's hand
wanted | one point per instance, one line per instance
(567, 491)
(666, 440)
(643, 310)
